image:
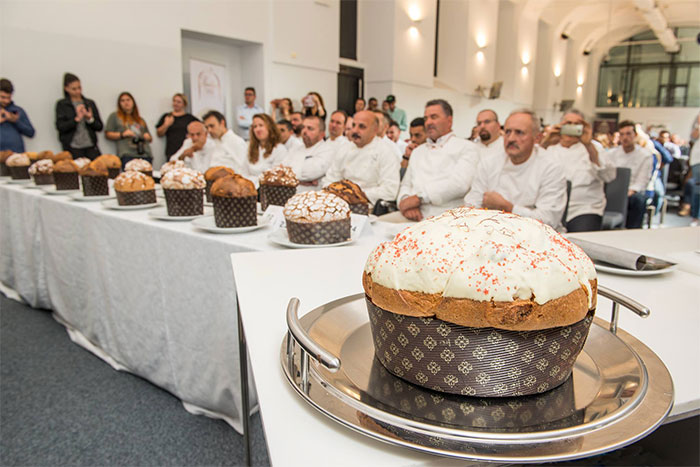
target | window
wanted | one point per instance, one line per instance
(639, 73)
(348, 29)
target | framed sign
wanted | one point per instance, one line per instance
(207, 87)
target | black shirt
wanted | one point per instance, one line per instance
(176, 133)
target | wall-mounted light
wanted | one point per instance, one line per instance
(557, 70)
(414, 13)
(413, 32)
(481, 40)
(579, 90)
(480, 56)
(525, 58)
(579, 81)
(524, 72)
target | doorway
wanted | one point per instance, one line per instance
(351, 86)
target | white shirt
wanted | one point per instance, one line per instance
(253, 171)
(231, 151)
(640, 161)
(536, 187)
(293, 142)
(402, 145)
(587, 179)
(489, 150)
(244, 118)
(373, 167)
(200, 160)
(312, 163)
(393, 147)
(441, 173)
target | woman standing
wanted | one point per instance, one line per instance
(313, 105)
(129, 130)
(173, 125)
(281, 109)
(77, 120)
(265, 149)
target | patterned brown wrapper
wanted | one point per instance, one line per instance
(360, 208)
(235, 212)
(318, 233)
(275, 195)
(207, 190)
(184, 202)
(483, 362)
(43, 179)
(132, 198)
(113, 172)
(19, 173)
(95, 186)
(66, 180)
(4, 170)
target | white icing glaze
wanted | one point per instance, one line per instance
(18, 160)
(168, 166)
(138, 165)
(316, 206)
(81, 162)
(183, 178)
(43, 166)
(279, 175)
(482, 255)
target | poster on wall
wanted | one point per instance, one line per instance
(206, 87)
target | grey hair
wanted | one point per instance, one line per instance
(533, 117)
(575, 112)
(446, 107)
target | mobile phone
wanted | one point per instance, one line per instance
(308, 101)
(572, 130)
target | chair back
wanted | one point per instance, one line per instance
(616, 192)
(568, 198)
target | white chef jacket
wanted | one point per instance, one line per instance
(244, 118)
(200, 160)
(373, 167)
(253, 171)
(640, 161)
(441, 173)
(293, 142)
(587, 179)
(393, 147)
(312, 163)
(489, 150)
(230, 151)
(537, 187)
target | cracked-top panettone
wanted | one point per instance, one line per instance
(280, 175)
(183, 178)
(233, 186)
(133, 181)
(138, 165)
(349, 191)
(41, 167)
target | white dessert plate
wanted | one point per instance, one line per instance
(113, 204)
(81, 197)
(33, 186)
(162, 215)
(281, 238)
(51, 190)
(19, 181)
(629, 272)
(207, 223)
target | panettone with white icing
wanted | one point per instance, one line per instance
(41, 167)
(316, 218)
(183, 178)
(139, 165)
(168, 166)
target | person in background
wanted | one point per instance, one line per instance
(311, 162)
(14, 122)
(230, 150)
(385, 107)
(297, 120)
(265, 148)
(287, 136)
(396, 114)
(197, 150)
(348, 127)
(372, 104)
(359, 104)
(671, 147)
(245, 112)
(173, 125)
(313, 105)
(394, 134)
(281, 109)
(488, 130)
(129, 130)
(418, 137)
(77, 120)
(336, 127)
(384, 120)
(691, 189)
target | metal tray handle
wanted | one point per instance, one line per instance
(300, 335)
(619, 299)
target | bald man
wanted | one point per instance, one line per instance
(197, 150)
(368, 161)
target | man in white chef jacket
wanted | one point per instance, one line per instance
(230, 150)
(523, 179)
(489, 130)
(197, 150)
(311, 162)
(441, 169)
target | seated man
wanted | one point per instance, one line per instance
(367, 161)
(586, 166)
(523, 180)
(394, 134)
(311, 161)
(287, 136)
(197, 150)
(336, 127)
(489, 132)
(230, 150)
(418, 137)
(384, 121)
(640, 161)
(441, 170)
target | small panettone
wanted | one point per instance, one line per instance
(277, 186)
(235, 202)
(65, 175)
(93, 169)
(212, 174)
(42, 172)
(65, 166)
(184, 192)
(139, 165)
(81, 162)
(62, 156)
(233, 186)
(134, 188)
(4, 170)
(4, 155)
(317, 217)
(18, 160)
(113, 164)
(168, 166)
(280, 175)
(182, 179)
(352, 193)
(43, 155)
(94, 177)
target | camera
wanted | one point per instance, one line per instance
(572, 130)
(139, 143)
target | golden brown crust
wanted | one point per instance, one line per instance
(218, 171)
(42, 155)
(349, 191)
(518, 315)
(5, 154)
(233, 186)
(94, 169)
(62, 156)
(110, 161)
(65, 166)
(133, 181)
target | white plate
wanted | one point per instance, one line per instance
(207, 223)
(208, 204)
(113, 204)
(33, 186)
(81, 197)
(281, 238)
(51, 190)
(629, 272)
(19, 181)
(162, 214)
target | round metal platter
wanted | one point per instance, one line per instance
(619, 392)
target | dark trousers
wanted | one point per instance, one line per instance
(585, 223)
(90, 153)
(636, 206)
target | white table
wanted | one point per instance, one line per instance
(297, 434)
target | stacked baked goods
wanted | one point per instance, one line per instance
(112, 162)
(480, 303)
(168, 166)
(42, 172)
(212, 174)
(42, 155)
(65, 175)
(139, 165)
(62, 156)
(352, 193)
(81, 162)
(134, 188)
(184, 192)
(317, 218)
(94, 177)
(277, 185)
(235, 201)
(18, 165)
(4, 171)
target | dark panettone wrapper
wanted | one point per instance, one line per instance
(95, 186)
(184, 202)
(4, 170)
(207, 190)
(482, 362)
(113, 172)
(319, 233)
(275, 195)
(132, 198)
(19, 173)
(235, 212)
(360, 208)
(43, 179)
(66, 180)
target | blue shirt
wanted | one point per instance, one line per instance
(244, 118)
(11, 132)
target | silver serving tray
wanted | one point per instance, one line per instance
(619, 392)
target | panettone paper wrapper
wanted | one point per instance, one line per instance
(113, 172)
(189, 202)
(207, 190)
(66, 180)
(235, 212)
(482, 362)
(319, 233)
(275, 195)
(4, 170)
(95, 186)
(43, 179)
(19, 173)
(360, 208)
(132, 198)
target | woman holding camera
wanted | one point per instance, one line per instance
(313, 105)
(129, 130)
(77, 120)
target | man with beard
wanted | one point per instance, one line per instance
(287, 136)
(311, 161)
(489, 131)
(418, 137)
(297, 119)
(197, 151)
(367, 162)
(524, 174)
(441, 170)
